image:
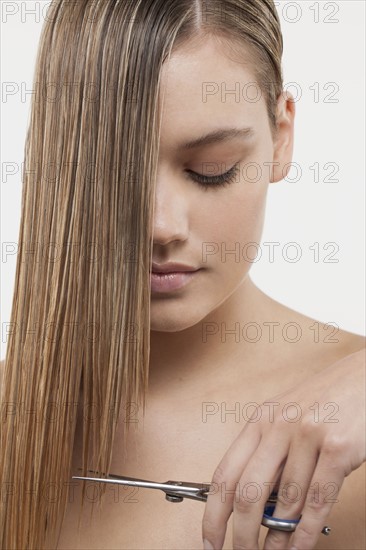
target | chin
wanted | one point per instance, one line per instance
(170, 325)
(173, 318)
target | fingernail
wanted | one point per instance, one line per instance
(293, 548)
(207, 545)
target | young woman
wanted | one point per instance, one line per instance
(194, 374)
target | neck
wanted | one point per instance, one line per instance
(226, 333)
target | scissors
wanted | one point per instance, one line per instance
(176, 491)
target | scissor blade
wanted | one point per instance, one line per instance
(114, 476)
(121, 480)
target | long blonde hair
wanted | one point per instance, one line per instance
(81, 306)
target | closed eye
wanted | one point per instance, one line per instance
(214, 181)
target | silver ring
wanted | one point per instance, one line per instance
(276, 523)
(279, 524)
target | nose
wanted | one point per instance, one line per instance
(171, 221)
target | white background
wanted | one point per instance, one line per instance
(317, 53)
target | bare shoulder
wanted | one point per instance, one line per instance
(311, 340)
(348, 343)
(351, 342)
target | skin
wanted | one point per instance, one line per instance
(184, 370)
(187, 216)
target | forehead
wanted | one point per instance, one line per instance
(204, 88)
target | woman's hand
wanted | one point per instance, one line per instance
(307, 440)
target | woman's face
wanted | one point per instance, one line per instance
(211, 227)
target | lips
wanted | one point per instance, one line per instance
(171, 276)
(173, 267)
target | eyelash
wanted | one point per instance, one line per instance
(215, 181)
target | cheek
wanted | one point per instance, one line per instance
(233, 215)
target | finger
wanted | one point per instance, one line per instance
(262, 470)
(322, 494)
(291, 494)
(219, 503)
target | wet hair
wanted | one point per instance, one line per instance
(80, 314)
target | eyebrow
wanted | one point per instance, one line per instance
(222, 134)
